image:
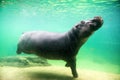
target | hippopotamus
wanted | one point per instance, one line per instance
(59, 46)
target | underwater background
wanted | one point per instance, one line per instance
(100, 52)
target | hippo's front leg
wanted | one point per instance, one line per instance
(72, 64)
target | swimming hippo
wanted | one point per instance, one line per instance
(59, 46)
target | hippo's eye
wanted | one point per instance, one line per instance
(77, 26)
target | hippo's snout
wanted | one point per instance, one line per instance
(96, 23)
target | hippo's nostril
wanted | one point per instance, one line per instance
(98, 18)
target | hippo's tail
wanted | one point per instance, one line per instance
(18, 51)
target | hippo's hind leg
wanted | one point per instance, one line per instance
(72, 64)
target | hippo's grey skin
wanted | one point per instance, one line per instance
(63, 46)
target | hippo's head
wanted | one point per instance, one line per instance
(85, 28)
(95, 23)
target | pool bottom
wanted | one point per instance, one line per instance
(52, 73)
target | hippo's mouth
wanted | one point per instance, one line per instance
(96, 23)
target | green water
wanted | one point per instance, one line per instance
(100, 52)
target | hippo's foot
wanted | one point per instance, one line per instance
(75, 75)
